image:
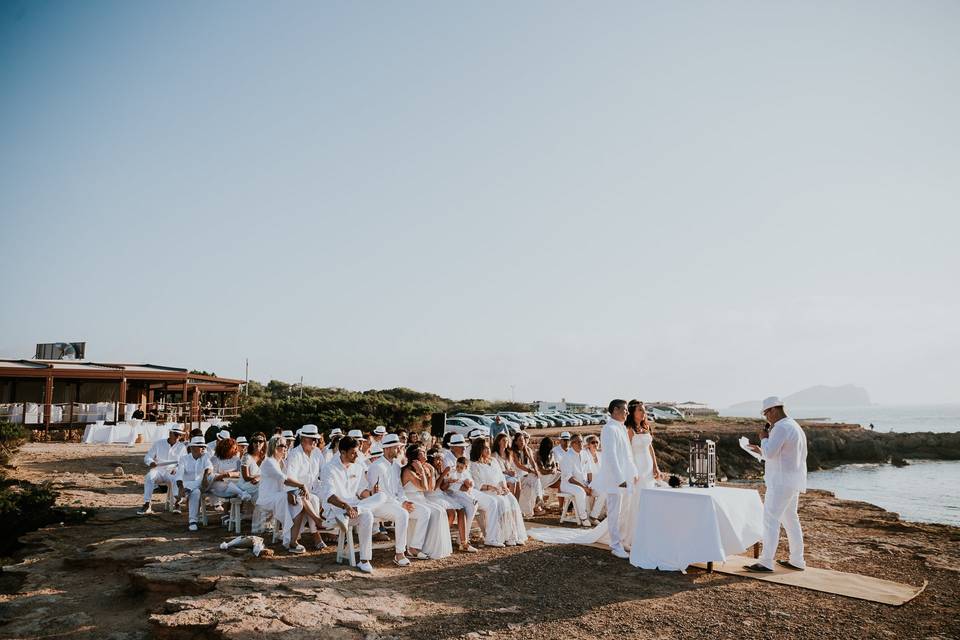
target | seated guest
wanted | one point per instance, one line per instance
(331, 449)
(345, 496)
(289, 437)
(304, 463)
(138, 414)
(488, 478)
(226, 467)
(561, 448)
(250, 464)
(504, 458)
(573, 479)
(524, 462)
(383, 478)
(417, 480)
(193, 475)
(287, 508)
(591, 456)
(162, 459)
(547, 466)
(440, 497)
(362, 445)
(459, 489)
(379, 432)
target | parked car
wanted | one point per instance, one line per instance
(461, 425)
(517, 418)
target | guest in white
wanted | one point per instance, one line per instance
(383, 477)
(250, 464)
(573, 479)
(505, 523)
(617, 474)
(193, 475)
(592, 462)
(287, 508)
(304, 463)
(441, 496)
(561, 449)
(503, 456)
(460, 489)
(226, 470)
(162, 459)
(379, 432)
(783, 445)
(289, 436)
(346, 496)
(418, 479)
(531, 491)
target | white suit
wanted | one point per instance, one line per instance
(166, 457)
(190, 471)
(347, 483)
(572, 468)
(617, 469)
(785, 474)
(385, 475)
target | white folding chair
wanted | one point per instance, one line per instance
(568, 510)
(345, 547)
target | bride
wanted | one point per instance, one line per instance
(645, 460)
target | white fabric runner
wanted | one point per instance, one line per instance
(678, 527)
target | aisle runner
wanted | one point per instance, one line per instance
(851, 585)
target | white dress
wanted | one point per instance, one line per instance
(510, 529)
(253, 470)
(272, 496)
(438, 543)
(640, 450)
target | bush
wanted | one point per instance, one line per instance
(12, 433)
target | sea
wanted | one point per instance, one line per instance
(923, 491)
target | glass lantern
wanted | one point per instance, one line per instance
(702, 468)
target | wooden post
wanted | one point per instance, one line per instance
(195, 405)
(122, 408)
(47, 401)
(187, 413)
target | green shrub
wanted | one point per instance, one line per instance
(12, 433)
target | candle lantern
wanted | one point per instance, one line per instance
(703, 463)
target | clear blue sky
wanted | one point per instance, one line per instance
(665, 200)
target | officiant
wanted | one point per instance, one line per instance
(783, 446)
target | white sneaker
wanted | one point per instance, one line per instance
(192, 527)
(366, 567)
(619, 552)
(146, 511)
(298, 549)
(402, 562)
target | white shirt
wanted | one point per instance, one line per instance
(558, 453)
(224, 466)
(457, 479)
(387, 475)
(487, 474)
(618, 467)
(304, 468)
(164, 454)
(343, 482)
(272, 477)
(190, 469)
(785, 455)
(571, 466)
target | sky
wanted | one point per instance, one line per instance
(540, 200)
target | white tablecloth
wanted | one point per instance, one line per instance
(126, 433)
(676, 527)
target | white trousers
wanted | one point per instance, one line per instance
(393, 511)
(492, 517)
(579, 498)
(364, 526)
(469, 505)
(613, 519)
(193, 503)
(223, 489)
(157, 475)
(780, 507)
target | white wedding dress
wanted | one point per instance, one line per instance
(640, 450)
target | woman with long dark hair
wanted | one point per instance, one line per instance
(504, 457)
(488, 478)
(418, 479)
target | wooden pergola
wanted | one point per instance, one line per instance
(146, 385)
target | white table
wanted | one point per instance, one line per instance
(675, 528)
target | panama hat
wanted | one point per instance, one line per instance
(197, 441)
(456, 440)
(770, 403)
(390, 440)
(223, 434)
(355, 433)
(380, 430)
(309, 431)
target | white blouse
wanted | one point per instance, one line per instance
(487, 474)
(272, 477)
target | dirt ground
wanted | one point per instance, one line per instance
(120, 576)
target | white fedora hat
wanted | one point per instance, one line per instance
(242, 440)
(287, 434)
(390, 440)
(564, 435)
(336, 431)
(355, 433)
(176, 428)
(380, 430)
(375, 450)
(197, 441)
(456, 440)
(223, 434)
(770, 403)
(309, 431)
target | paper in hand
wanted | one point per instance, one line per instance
(743, 445)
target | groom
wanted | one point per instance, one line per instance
(617, 472)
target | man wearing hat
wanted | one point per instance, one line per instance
(162, 459)
(559, 450)
(330, 449)
(287, 434)
(379, 432)
(193, 472)
(383, 477)
(783, 445)
(304, 463)
(460, 491)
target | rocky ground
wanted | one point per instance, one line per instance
(121, 576)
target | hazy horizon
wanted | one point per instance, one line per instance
(676, 201)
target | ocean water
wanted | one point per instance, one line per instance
(924, 491)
